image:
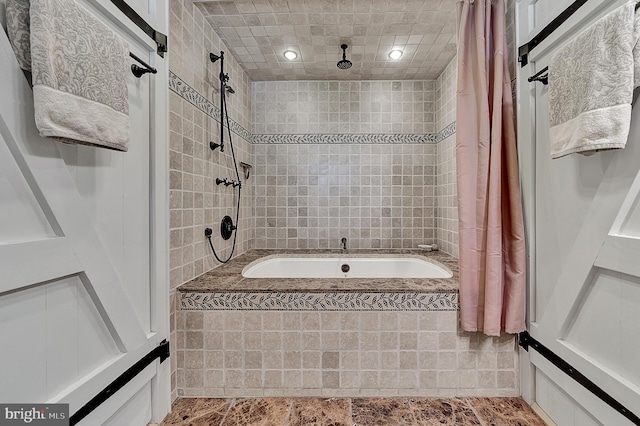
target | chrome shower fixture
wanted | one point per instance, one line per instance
(344, 64)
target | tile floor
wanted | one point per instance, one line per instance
(352, 412)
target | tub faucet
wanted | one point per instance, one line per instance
(344, 243)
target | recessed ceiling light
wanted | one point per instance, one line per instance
(395, 54)
(290, 55)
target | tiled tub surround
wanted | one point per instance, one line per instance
(194, 121)
(192, 39)
(340, 159)
(445, 179)
(377, 196)
(355, 159)
(331, 351)
(195, 201)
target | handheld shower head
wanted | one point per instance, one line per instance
(344, 64)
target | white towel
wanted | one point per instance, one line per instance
(80, 69)
(591, 82)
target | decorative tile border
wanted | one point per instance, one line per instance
(446, 132)
(191, 95)
(355, 138)
(346, 138)
(330, 301)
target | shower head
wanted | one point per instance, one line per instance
(229, 89)
(344, 64)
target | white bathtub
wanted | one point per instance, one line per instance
(362, 266)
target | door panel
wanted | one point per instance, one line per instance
(84, 237)
(559, 405)
(21, 217)
(23, 321)
(136, 411)
(586, 275)
(603, 321)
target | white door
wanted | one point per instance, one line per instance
(83, 280)
(583, 224)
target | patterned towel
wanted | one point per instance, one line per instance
(591, 83)
(80, 69)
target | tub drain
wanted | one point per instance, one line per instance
(345, 268)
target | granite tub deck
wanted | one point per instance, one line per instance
(224, 288)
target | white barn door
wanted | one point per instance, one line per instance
(583, 222)
(83, 230)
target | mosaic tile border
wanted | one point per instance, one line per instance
(329, 301)
(346, 138)
(446, 132)
(191, 95)
(355, 138)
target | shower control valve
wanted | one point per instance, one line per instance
(225, 181)
(236, 183)
(227, 227)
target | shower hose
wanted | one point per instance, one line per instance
(225, 115)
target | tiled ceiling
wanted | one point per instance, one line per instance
(258, 32)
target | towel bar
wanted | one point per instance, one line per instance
(145, 68)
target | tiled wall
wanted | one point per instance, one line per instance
(195, 200)
(330, 354)
(344, 159)
(446, 189)
(377, 196)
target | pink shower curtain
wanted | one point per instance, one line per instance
(492, 250)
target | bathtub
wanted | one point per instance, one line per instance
(346, 266)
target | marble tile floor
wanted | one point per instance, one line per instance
(351, 412)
